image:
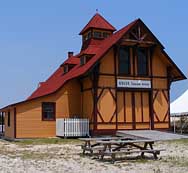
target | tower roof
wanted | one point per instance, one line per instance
(98, 22)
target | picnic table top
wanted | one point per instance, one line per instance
(124, 141)
(116, 140)
(102, 138)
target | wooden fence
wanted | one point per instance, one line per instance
(72, 127)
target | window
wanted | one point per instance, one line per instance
(142, 64)
(66, 68)
(97, 34)
(82, 60)
(8, 119)
(105, 34)
(48, 111)
(89, 35)
(84, 38)
(124, 61)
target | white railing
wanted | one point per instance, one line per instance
(72, 127)
(2, 127)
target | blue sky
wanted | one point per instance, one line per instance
(35, 36)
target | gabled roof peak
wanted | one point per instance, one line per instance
(98, 22)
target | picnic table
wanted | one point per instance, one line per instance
(113, 146)
(91, 144)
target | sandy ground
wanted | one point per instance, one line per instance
(68, 158)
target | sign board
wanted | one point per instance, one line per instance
(122, 83)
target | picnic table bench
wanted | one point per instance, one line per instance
(127, 147)
(114, 145)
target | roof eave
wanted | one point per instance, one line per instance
(182, 76)
(83, 31)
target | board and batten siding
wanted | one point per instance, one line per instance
(107, 96)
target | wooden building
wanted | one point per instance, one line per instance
(119, 80)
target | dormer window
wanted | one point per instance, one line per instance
(70, 63)
(66, 68)
(84, 59)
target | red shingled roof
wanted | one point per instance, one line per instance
(98, 49)
(57, 80)
(97, 21)
(92, 47)
(72, 60)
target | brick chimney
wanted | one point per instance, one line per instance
(70, 54)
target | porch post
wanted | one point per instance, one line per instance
(116, 50)
(95, 79)
(151, 53)
(1, 121)
(1, 113)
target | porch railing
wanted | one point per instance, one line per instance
(72, 127)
